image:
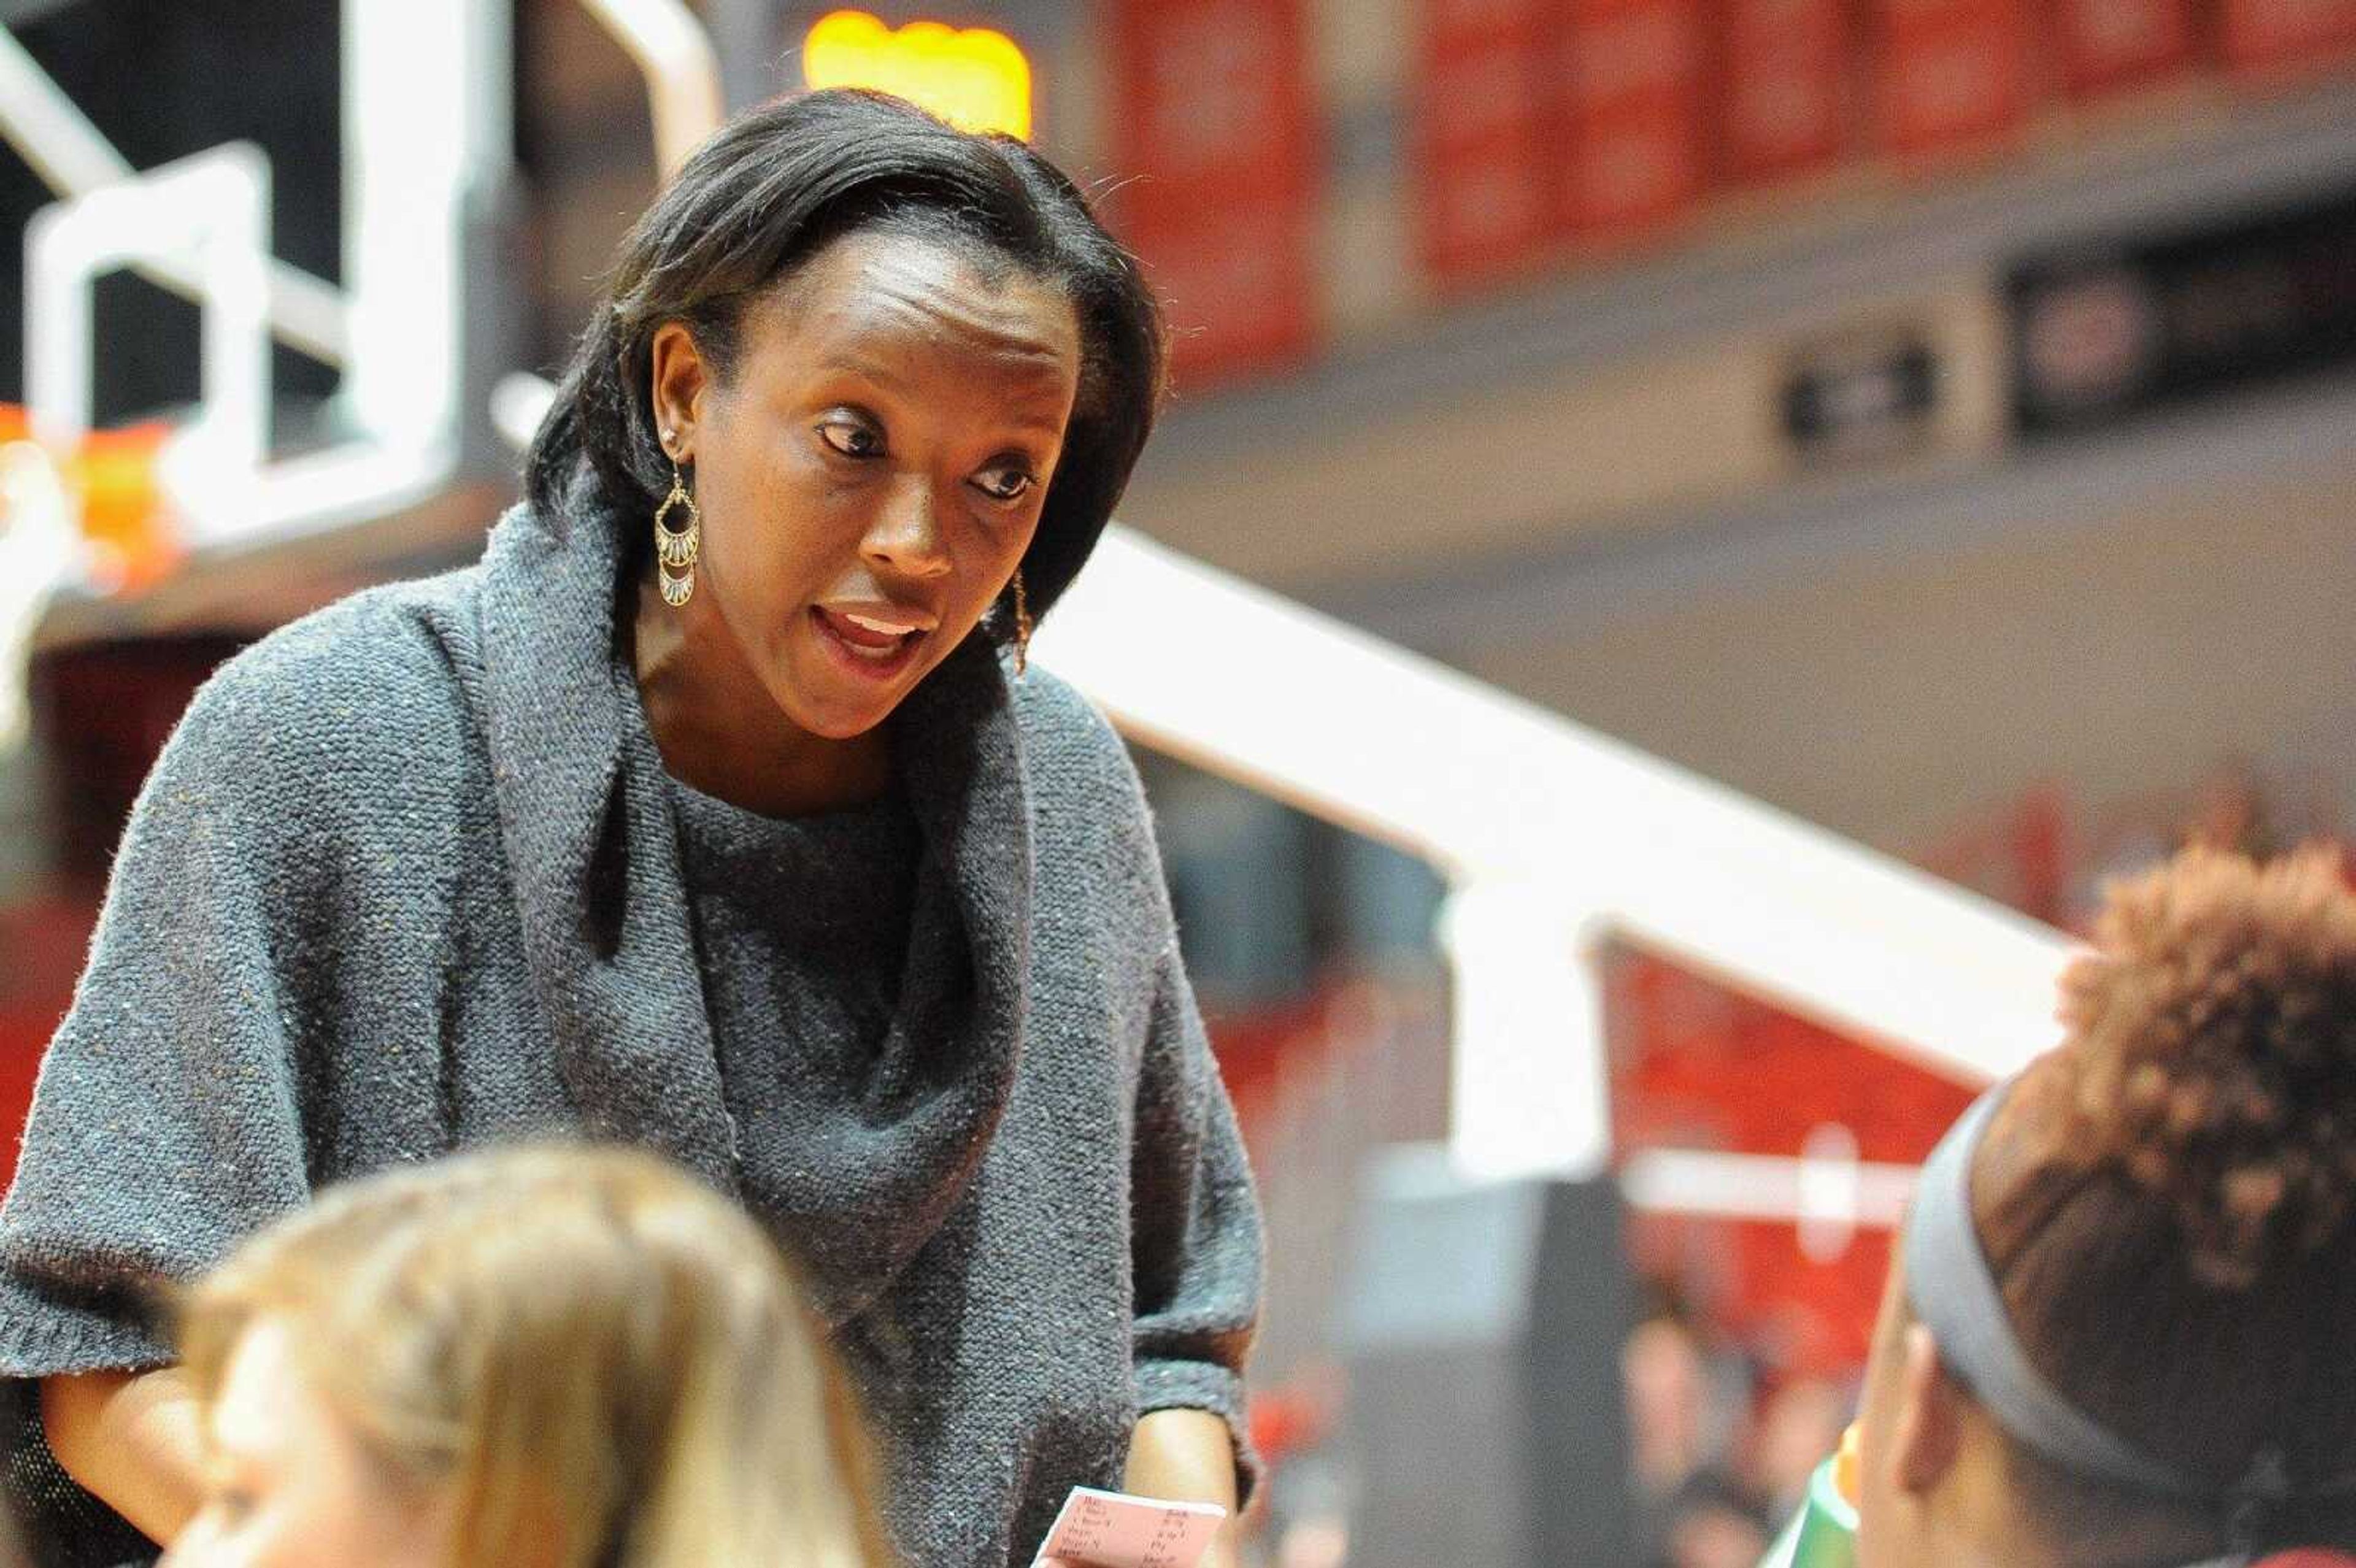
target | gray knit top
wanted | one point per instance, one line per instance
(410, 876)
(802, 930)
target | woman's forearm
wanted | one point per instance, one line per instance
(131, 1438)
(1187, 1456)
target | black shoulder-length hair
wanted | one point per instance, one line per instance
(768, 191)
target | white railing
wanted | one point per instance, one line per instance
(1829, 1195)
(674, 53)
(1554, 838)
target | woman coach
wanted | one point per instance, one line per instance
(713, 811)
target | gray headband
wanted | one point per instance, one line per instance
(1953, 1293)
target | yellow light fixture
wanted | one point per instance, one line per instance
(971, 77)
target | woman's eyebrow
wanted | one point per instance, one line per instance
(1036, 423)
(866, 369)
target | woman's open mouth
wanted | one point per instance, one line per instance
(876, 642)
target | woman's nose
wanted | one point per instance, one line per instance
(905, 536)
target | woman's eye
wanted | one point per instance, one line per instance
(1005, 483)
(850, 438)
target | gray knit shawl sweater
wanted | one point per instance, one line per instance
(407, 879)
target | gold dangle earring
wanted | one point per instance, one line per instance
(676, 549)
(1022, 626)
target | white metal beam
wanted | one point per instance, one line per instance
(426, 119)
(73, 159)
(210, 212)
(1497, 792)
(1830, 1199)
(675, 55)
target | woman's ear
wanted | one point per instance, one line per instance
(680, 379)
(1927, 1436)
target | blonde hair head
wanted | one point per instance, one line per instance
(608, 1364)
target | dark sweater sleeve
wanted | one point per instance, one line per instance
(164, 1122)
(291, 836)
(1197, 1226)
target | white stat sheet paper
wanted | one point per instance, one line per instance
(1113, 1530)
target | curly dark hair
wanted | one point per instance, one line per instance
(766, 193)
(2169, 1202)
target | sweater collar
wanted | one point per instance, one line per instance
(593, 866)
(584, 808)
(549, 644)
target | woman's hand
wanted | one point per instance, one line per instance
(1187, 1456)
(133, 1440)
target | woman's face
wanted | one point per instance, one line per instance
(872, 470)
(288, 1484)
